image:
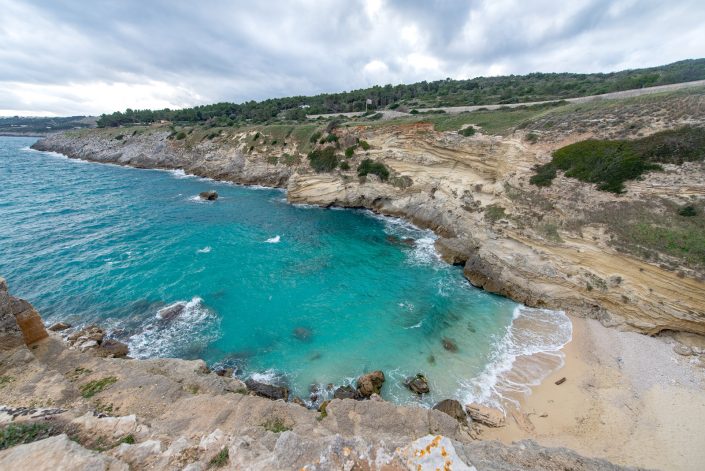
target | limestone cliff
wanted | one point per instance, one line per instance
(555, 247)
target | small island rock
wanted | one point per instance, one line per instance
(418, 384)
(370, 383)
(210, 195)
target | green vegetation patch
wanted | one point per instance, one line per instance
(221, 459)
(467, 132)
(494, 212)
(92, 388)
(368, 166)
(276, 425)
(323, 160)
(18, 434)
(611, 163)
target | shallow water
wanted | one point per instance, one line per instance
(286, 293)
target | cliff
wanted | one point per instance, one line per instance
(567, 246)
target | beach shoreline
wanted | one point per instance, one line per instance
(627, 397)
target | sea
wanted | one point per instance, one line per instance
(287, 294)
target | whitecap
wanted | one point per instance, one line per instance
(535, 336)
(195, 325)
(415, 326)
(205, 249)
(273, 240)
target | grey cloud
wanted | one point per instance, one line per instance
(237, 50)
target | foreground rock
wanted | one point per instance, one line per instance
(19, 322)
(485, 415)
(452, 408)
(210, 195)
(370, 383)
(113, 348)
(268, 390)
(418, 384)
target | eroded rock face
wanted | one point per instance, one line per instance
(370, 383)
(452, 408)
(113, 348)
(18, 315)
(267, 390)
(346, 392)
(485, 415)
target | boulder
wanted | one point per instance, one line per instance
(418, 384)
(113, 348)
(59, 326)
(370, 383)
(10, 333)
(28, 320)
(485, 415)
(210, 195)
(170, 312)
(452, 408)
(267, 390)
(346, 392)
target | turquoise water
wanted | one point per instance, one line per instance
(290, 294)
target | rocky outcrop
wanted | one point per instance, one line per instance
(210, 195)
(452, 408)
(370, 383)
(268, 390)
(485, 415)
(418, 384)
(19, 322)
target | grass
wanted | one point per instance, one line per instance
(276, 425)
(221, 459)
(498, 121)
(611, 163)
(18, 434)
(368, 166)
(494, 212)
(92, 388)
(5, 380)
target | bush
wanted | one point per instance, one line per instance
(221, 459)
(532, 138)
(119, 137)
(180, 135)
(494, 212)
(350, 151)
(687, 211)
(611, 163)
(94, 387)
(18, 434)
(331, 138)
(368, 166)
(323, 160)
(315, 136)
(344, 166)
(467, 132)
(256, 136)
(364, 145)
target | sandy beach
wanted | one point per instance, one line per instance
(627, 397)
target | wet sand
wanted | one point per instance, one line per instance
(627, 397)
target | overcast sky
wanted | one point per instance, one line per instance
(90, 57)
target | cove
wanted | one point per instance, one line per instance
(283, 293)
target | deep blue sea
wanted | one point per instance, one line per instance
(284, 293)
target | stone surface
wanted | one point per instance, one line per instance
(113, 348)
(370, 383)
(267, 390)
(432, 452)
(485, 415)
(346, 392)
(452, 408)
(10, 333)
(57, 453)
(59, 326)
(683, 350)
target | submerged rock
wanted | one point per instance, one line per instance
(370, 383)
(418, 384)
(449, 344)
(267, 390)
(452, 408)
(303, 334)
(485, 415)
(210, 195)
(170, 312)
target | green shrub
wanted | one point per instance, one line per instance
(344, 166)
(315, 136)
(256, 136)
(221, 459)
(414, 111)
(350, 151)
(92, 388)
(368, 166)
(18, 434)
(365, 145)
(687, 211)
(119, 137)
(180, 135)
(611, 163)
(331, 138)
(494, 212)
(323, 160)
(276, 425)
(532, 138)
(129, 439)
(375, 116)
(467, 132)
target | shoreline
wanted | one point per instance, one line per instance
(471, 389)
(627, 397)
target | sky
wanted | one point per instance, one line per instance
(64, 57)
